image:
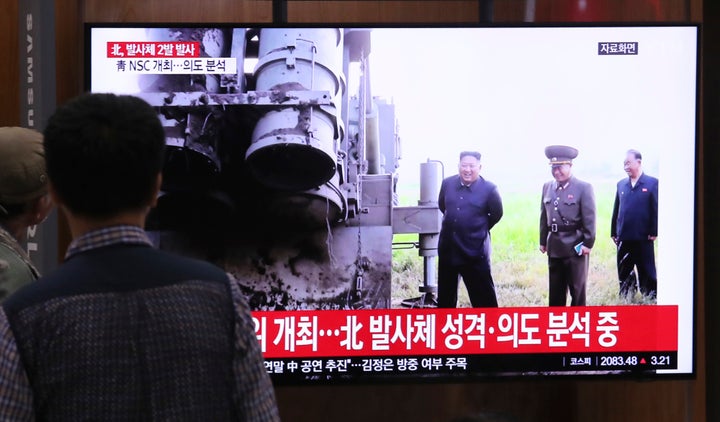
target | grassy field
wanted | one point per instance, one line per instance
(519, 269)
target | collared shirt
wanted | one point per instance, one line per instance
(565, 185)
(255, 390)
(128, 235)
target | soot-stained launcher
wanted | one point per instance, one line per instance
(281, 176)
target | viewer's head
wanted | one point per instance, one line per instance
(104, 154)
(469, 166)
(23, 176)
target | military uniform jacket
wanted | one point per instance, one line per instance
(567, 217)
(635, 213)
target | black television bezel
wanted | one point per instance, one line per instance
(699, 195)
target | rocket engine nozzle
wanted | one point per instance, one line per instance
(293, 149)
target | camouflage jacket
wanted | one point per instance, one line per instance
(16, 270)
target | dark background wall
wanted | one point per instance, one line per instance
(538, 400)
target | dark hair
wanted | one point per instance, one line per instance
(104, 153)
(635, 153)
(470, 154)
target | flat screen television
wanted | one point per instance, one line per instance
(307, 162)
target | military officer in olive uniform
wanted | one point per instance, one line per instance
(567, 228)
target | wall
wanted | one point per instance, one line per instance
(710, 134)
(9, 92)
(557, 400)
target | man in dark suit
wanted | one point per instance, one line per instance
(567, 228)
(471, 206)
(634, 227)
(123, 331)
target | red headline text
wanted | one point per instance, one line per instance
(399, 332)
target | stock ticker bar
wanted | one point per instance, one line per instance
(395, 367)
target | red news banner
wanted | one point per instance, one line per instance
(467, 331)
(152, 49)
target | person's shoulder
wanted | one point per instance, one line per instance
(26, 294)
(14, 272)
(181, 264)
(451, 179)
(581, 183)
(649, 179)
(488, 184)
(143, 261)
(8, 256)
(115, 269)
(448, 183)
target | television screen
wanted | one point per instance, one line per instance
(431, 202)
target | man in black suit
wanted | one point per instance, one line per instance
(567, 228)
(634, 227)
(471, 206)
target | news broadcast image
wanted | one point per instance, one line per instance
(307, 162)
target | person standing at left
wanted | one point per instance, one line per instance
(567, 228)
(122, 331)
(24, 202)
(471, 206)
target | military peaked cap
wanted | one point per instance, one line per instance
(560, 154)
